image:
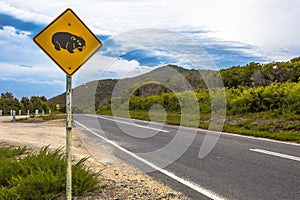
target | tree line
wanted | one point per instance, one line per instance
(256, 74)
(8, 102)
(279, 98)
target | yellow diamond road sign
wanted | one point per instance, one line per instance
(68, 42)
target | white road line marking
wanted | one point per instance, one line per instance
(218, 132)
(131, 124)
(259, 138)
(276, 154)
(189, 184)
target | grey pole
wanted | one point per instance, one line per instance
(69, 138)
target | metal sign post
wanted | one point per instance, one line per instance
(69, 43)
(69, 137)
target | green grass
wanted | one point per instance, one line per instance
(173, 118)
(285, 127)
(266, 126)
(276, 135)
(33, 119)
(41, 175)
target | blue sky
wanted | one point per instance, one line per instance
(231, 33)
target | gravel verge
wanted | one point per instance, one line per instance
(122, 181)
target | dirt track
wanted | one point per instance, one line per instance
(123, 181)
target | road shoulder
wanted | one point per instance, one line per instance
(123, 181)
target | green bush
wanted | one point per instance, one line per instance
(83, 179)
(9, 166)
(42, 175)
(278, 102)
(11, 152)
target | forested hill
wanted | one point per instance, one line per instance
(250, 75)
(255, 74)
(261, 99)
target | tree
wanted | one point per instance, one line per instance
(9, 102)
(27, 104)
(7, 95)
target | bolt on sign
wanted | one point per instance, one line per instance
(68, 42)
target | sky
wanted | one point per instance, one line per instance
(140, 35)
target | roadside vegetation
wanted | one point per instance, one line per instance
(267, 111)
(9, 102)
(33, 118)
(262, 100)
(25, 174)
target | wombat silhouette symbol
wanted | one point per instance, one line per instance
(67, 41)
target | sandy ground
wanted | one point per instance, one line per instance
(123, 181)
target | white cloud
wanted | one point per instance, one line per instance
(13, 70)
(103, 67)
(33, 81)
(17, 47)
(267, 24)
(125, 68)
(10, 35)
(18, 50)
(175, 47)
(19, 12)
(10, 31)
(255, 28)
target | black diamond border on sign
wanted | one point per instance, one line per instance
(67, 10)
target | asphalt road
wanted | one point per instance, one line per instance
(237, 168)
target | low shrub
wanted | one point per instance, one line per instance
(42, 175)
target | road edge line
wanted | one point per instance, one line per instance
(286, 156)
(128, 123)
(187, 183)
